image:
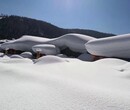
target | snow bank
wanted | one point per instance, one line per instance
(76, 85)
(49, 59)
(75, 42)
(24, 43)
(116, 46)
(46, 49)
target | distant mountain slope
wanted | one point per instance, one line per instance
(16, 26)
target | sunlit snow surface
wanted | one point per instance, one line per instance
(75, 42)
(54, 83)
(115, 46)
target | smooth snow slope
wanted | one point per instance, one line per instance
(61, 85)
(116, 46)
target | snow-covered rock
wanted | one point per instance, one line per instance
(16, 56)
(26, 55)
(49, 59)
(116, 46)
(46, 49)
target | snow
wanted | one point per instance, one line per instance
(111, 61)
(61, 83)
(85, 57)
(46, 49)
(24, 43)
(76, 42)
(15, 60)
(116, 46)
(49, 59)
(62, 55)
(54, 83)
(16, 56)
(26, 55)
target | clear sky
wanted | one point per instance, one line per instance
(111, 16)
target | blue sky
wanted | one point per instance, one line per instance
(111, 16)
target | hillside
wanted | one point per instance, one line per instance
(16, 26)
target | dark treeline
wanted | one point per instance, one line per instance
(16, 26)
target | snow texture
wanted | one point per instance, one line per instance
(16, 56)
(26, 55)
(71, 85)
(49, 59)
(62, 55)
(46, 49)
(85, 57)
(116, 46)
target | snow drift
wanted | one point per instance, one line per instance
(73, 85)
(49, 59)
(116, 46)
(24, 43)
(73, 41)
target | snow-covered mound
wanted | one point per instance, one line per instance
(46, 49)
(85, 57)
(75, 42)
(49, 59)
(26, 55)
(62, 55)
(111, 61)
(15, 60)
(24, 43)
(116, 46)
(16, 56)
